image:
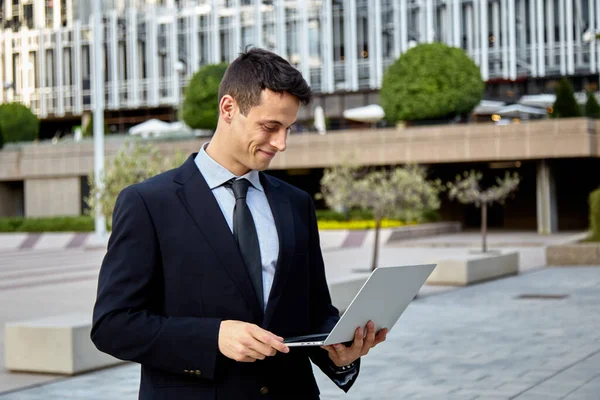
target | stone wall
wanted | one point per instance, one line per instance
(574, 254)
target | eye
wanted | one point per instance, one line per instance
(270, 128)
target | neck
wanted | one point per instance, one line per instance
(217, 149)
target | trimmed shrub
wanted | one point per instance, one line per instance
(431, 81)
(18, 123)
(565, 105)
(47, 224)
(200, 105)
(592, 108)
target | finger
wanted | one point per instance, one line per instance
(262, 348)
(370, 339)
(358, 339)
(254, 355)
(340, 349)
(270, 339)
(381, 336)
(331, 350)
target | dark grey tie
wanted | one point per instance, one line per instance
(244, 232)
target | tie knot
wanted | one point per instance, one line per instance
(239, 187)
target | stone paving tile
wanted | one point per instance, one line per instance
(476, 343)
(589, 390)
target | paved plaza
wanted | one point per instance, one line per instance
(479, 342)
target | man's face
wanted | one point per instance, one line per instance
(256, 138)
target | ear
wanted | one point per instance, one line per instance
(227, 106)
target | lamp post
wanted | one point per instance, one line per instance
(98, 112)
(180, 68)
(590, 36)
(7, 86)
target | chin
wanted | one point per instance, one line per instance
(261, 166)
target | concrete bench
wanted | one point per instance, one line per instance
(58, 344)
(469, 269)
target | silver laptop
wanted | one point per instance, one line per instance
(382, 299)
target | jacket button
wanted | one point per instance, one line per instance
(264, 390)
(198, 372)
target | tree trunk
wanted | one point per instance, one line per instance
(484, 226)
(376, 245)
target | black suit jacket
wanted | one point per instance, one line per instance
(172, 273)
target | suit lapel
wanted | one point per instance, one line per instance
(200, 202)
(284, 221)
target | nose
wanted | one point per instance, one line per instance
(278, 140)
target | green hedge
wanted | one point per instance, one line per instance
(330, 215)
(51, 224)
(86, 223)
(594, 203)
(353, 215)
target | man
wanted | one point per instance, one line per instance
(210, 265)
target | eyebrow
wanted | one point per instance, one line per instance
(273, 121)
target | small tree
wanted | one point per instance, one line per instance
(565, 105)
(592, 108)
(88, 131)
(18, 123)
(135, 162)
(400, 192)
(200, 105)
(466, 190)
(431, 81)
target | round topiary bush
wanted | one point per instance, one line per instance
(431, 81)
(18, 123)
(200, 105)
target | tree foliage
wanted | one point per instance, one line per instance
(401, 192)
(88, 130)
(200, 105)
(18, 123)
(592, 108)
(466, 189)
(431, 81)
(565, 105)
(135, 162)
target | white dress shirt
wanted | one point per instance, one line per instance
(216, 175)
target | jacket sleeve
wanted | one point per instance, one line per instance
(324, 315)
(124, 323)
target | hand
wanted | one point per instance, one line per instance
(342, 355)
(244, 342)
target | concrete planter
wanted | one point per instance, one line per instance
(574, 254)
(55, 345)
(472, 268)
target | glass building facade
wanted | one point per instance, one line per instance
(151, 48)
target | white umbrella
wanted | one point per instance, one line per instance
(538, 100)
(371, 113)
(488, 107)
(320, 120)
(152, 127)
(519, 110)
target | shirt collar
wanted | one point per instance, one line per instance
(216, 175)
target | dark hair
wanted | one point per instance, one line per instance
(257, 69)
